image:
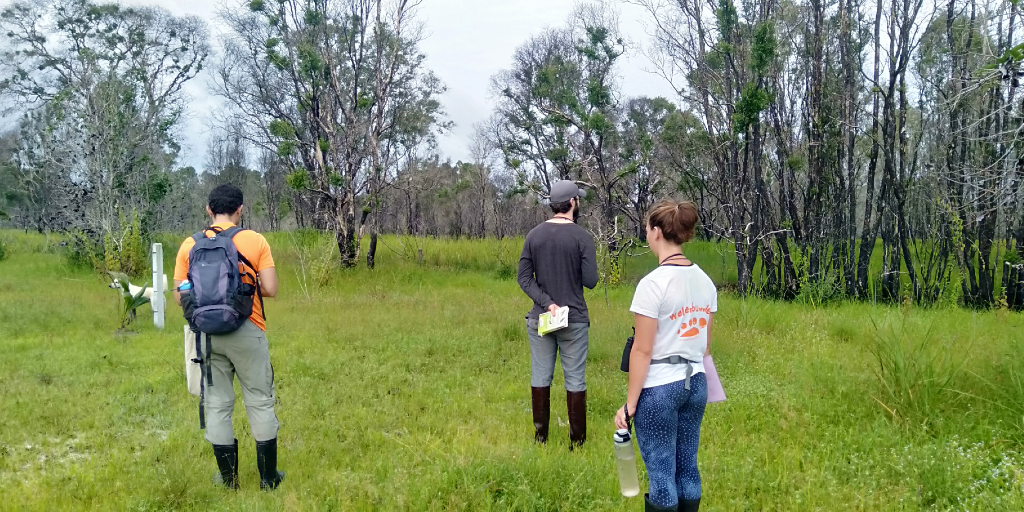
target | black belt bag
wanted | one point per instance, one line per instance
(624, 366)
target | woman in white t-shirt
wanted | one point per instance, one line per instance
(674, 308)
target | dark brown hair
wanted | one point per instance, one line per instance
(563, 207)
(225, 199)
(677, 221)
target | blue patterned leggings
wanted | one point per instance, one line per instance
(667, 427)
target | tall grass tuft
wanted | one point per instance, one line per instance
(915, 371)
(1002, 389)
(316, 258)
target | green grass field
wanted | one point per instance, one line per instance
(406, 388)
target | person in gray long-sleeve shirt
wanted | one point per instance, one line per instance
(558, 260)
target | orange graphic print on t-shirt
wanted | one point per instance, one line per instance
(693, 328)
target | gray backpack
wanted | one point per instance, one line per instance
(219, 302)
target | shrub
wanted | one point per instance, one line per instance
(126, 252)
(3, 249)
(83, 251)
(1012, 256)
(507, 272)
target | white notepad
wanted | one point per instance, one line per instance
(548, 323)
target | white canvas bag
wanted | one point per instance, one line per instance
(193, 375)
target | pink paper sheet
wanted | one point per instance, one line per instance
(715, 391)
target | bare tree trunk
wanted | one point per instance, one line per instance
(869, 230)
(371, 255)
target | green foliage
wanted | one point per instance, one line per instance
(1012, 256)
(282, 129)
(311, 64)
(764, 47)
(125, 251)
(557, 154)
(599, 123)
(299, 180)
(336, 179)
(325, 146)
(363, 102)
(82, 252)
(158, 188)
(752, 102)
(130, 303)
(313, 17)
(277, 60)
(628, 170)
(715, 58)
(796, 163)
(678, 126)
(286, 148)
(553, 81)
(256, 5)
(1012, 55)
(3, 249)
(727, 18)
(599, 95)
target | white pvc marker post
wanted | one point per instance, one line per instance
(158, 286)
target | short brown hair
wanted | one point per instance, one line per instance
(677, 221)
(226, 199)
(563, 207)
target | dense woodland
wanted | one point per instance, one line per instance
(843, 148)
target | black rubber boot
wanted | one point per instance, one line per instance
(577, 404)
(227, 464)
(689, 505)
(651, 507)
(266, 462)
(541, 398)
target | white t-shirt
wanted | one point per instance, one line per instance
(682, 299)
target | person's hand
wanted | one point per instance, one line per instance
(553, 309)
(620, 419)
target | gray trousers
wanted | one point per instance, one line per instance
(572, 342)
(244, 352)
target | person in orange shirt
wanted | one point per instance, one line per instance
(243, 352)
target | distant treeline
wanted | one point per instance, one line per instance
(816, 137)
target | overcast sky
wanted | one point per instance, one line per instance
(468, 41)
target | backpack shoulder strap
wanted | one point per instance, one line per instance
(231, 232)
(200, 235)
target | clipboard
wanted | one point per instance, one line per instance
(715, 391)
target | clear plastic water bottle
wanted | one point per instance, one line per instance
(629, 484)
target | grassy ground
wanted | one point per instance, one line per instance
(405, 388)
